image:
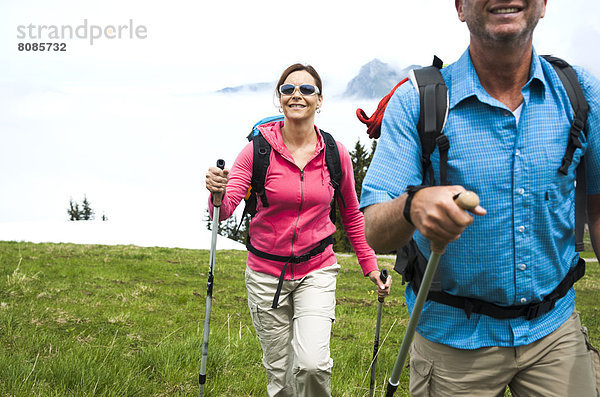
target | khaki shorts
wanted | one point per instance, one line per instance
(561, 364)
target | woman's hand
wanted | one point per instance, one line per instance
(216, 180)
(383, 290)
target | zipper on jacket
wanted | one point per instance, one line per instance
(297, 219)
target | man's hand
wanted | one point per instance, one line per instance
(437, 216)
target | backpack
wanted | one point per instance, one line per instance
(433, 99)
(260, 165)
(261, 161)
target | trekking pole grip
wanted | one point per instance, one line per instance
(383, 277)
(467, 201)
(218, 197)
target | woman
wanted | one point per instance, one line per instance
(295, 334)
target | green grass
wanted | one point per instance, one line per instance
(83, 320)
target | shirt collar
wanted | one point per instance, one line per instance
(464, 82)
(537, 80)
(272, 133)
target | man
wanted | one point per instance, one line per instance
(508, 125)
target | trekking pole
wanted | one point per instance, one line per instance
(467, 201)
(383, 277)
(211, 272)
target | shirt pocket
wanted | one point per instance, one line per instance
(254, 314)
(560, 204)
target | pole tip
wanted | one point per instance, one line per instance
(391, 389)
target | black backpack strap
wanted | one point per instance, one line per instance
(327, 241)
(334, 165)
(433, 97)
(320, 248)
(568, 77)
(260, 164)
(474, 305)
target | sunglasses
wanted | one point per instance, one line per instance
(305, 89)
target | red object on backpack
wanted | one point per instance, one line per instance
(373, 123)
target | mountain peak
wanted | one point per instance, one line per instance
(375, 80)
(373, 65)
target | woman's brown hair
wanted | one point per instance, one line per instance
(295, 68)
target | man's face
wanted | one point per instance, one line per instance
(501, 21)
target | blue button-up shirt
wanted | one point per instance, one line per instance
(524, 246)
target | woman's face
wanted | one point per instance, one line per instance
(297, 106)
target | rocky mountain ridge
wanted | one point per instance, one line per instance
(374, 80)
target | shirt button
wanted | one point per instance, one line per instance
(521, 191)
(517, 152)
(523, 300)
(521, 229)
(522, 266)
(507, 113)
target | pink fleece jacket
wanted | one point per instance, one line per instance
(297, 217)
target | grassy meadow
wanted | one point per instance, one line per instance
(84, 320)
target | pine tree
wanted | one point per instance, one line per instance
(360, 163)
(229, 227)
(73, 211)
(87, 213)
(373, 147)
(361, 160)
(207, 220)
(81, 212)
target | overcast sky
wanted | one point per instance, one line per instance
(134, 122)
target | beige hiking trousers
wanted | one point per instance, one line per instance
(295, 336)
(562, 364)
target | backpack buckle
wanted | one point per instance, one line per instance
(578, 124)
(442, 142)
(532, 312)
(300, 259)
(574, 133)
(539, 309)
(565, 164)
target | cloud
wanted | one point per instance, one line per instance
(130, 123)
